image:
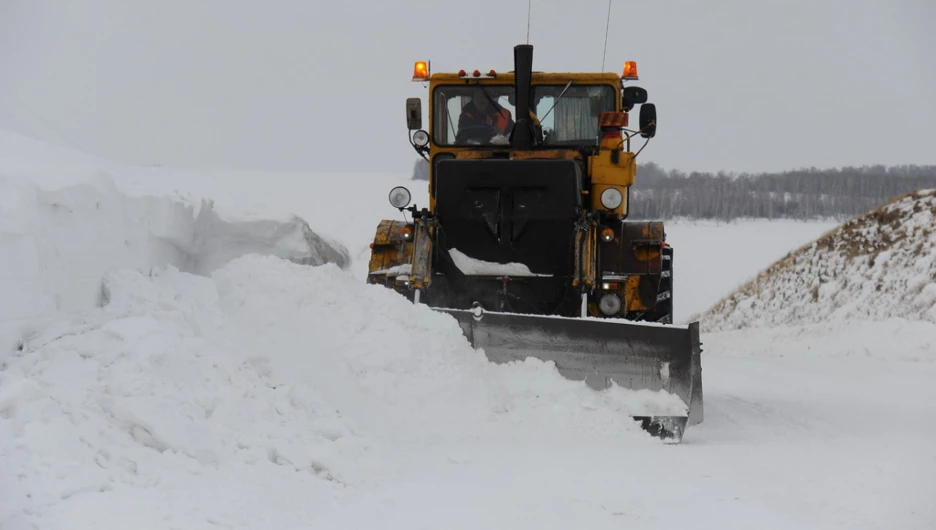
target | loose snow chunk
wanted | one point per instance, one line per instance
(476, 267)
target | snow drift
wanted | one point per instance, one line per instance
(55, 246)
(267, 364)
(875, 267)
(64, 224)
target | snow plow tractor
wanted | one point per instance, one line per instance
(525, 240)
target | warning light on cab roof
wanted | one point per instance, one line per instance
(630, 70)
(421, 71)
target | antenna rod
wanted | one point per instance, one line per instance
(529, 2)
(606, 36)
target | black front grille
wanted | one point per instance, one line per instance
(510, 211)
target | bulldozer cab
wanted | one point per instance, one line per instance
(525, 240)
(524, 114)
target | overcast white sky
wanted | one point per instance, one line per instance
(740, 85)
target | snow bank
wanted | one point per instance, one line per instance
(875, 267)
(56, 244)
(266, 365)
(219, 237)
(137, 395)
(343, 207)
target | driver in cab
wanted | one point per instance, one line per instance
(481, 114)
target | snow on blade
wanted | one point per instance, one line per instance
(475, 267)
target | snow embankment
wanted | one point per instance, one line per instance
(64, 224)
(858, 291)
(875, 267)
(263, 368)
(56, 245)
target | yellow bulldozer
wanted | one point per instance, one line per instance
(525, 240)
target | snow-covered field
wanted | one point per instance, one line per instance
(266, 394)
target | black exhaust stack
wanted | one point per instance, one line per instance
(522, 137)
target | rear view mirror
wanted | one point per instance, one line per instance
(413, 114)
(648, 120)
(631, 96)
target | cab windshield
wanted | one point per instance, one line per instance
(484, 115)
(473, 115)
(569, 113)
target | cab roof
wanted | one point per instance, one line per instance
(537, 78)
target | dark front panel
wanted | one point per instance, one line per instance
(511, 211)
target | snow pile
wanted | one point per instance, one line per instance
(875, 267)
(219, 237)
(138, 395)
(343, 207)
(56, 244)
(266, 364)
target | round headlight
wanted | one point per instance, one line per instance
(611, 198)
(420, 138)
(399, 197)
(609, 304)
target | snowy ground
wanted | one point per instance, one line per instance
(272, 395)
(256, 398)
(786, 444)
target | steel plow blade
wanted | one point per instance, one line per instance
(632, 355)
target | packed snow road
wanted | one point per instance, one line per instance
(805, 443)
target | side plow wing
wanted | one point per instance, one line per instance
(632, 355)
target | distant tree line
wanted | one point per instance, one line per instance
(798, 194)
